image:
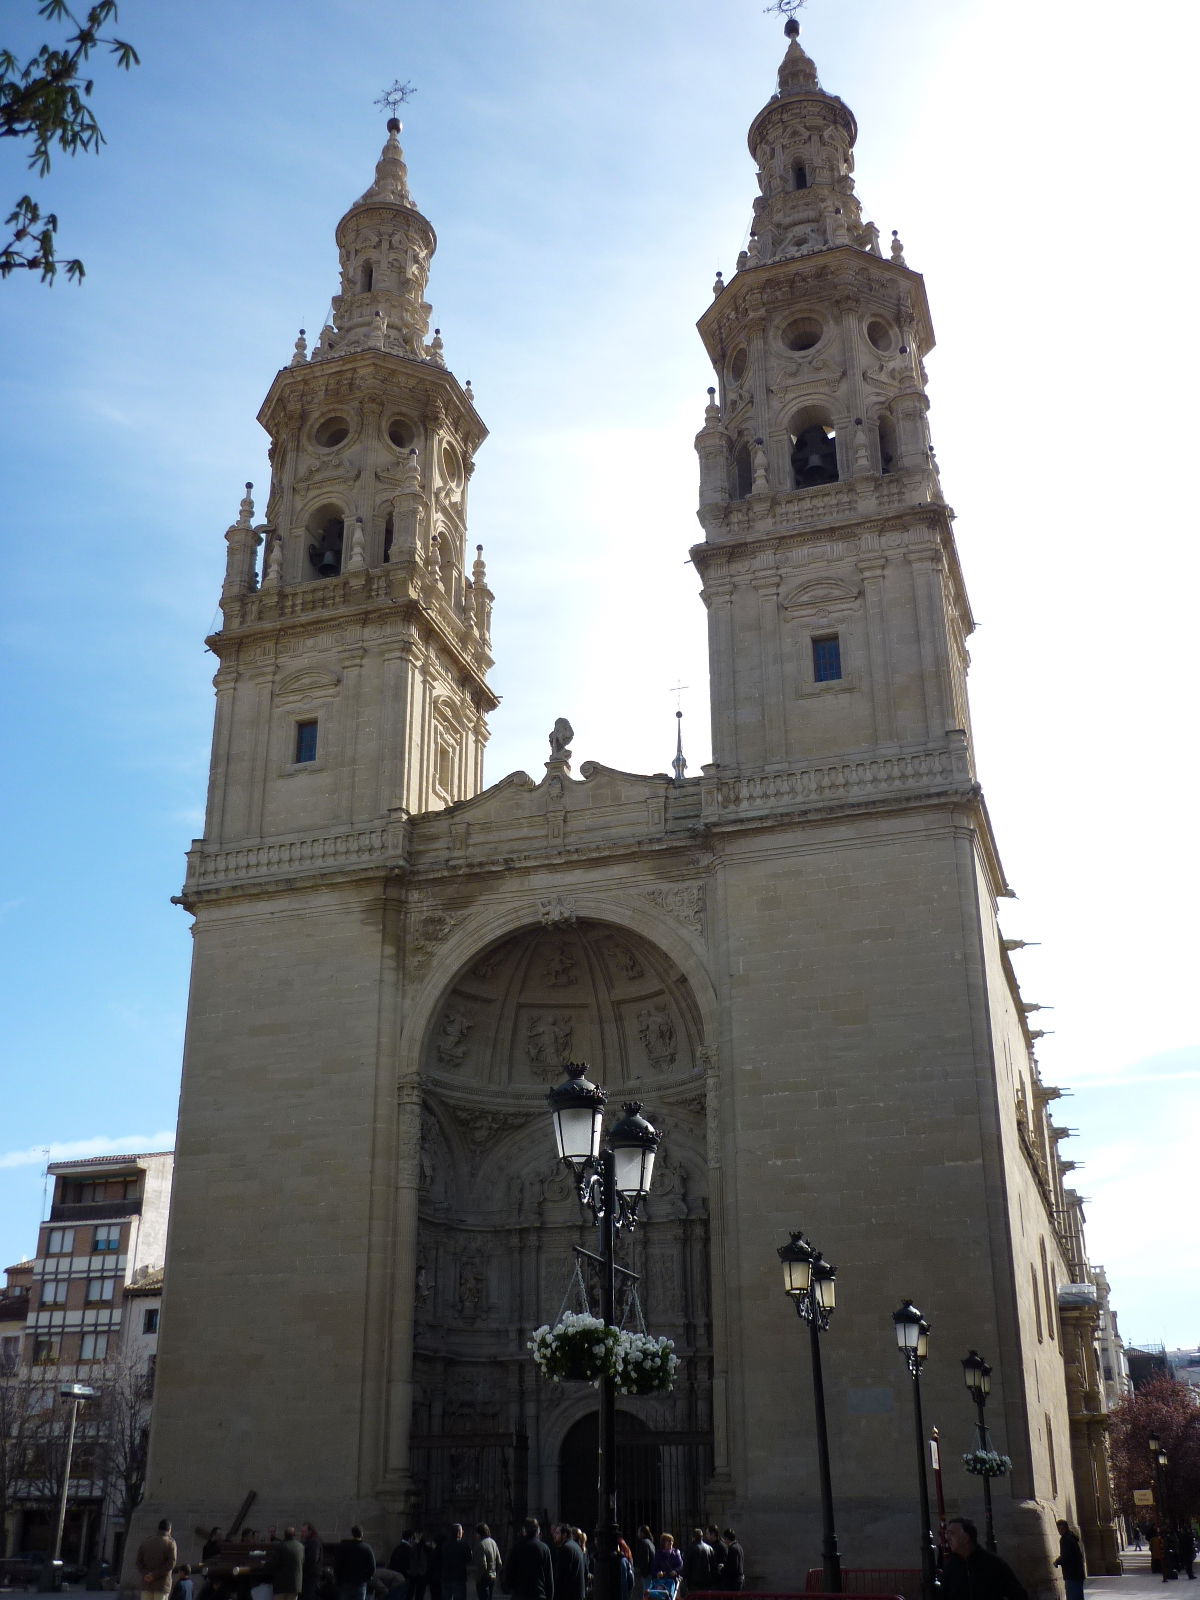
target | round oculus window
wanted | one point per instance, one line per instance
(331, 432)
(401, 433)
(881, 335)
(802, 333)
(737, 367)
(451, 465)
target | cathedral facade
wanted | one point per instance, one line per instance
(792, 959)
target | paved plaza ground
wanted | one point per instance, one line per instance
(1137, 1582)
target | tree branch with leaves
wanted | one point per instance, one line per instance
(45, 101)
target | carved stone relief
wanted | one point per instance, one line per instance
(548, 1039)
(657, 1033)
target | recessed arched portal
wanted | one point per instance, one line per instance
(498, 1219)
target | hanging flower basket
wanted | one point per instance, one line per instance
(581, 1348)
(577, 1347)
(987, 1463)
(645, 1365)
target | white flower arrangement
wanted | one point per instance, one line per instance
(581, 1348)
(645, 1365)
(577, 1346)
(987, 1463)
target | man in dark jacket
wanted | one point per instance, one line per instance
(529, 1571)
(698, 1562)
(456, 1558)
(733, 1568)
(1070, 1561)
(570, 1565)
(285, 1563)
(971, 1573)
(644, 1552)
(353, 1566)
(314, 1556)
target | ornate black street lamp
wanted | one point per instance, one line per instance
(613, 1178)
(977, 1376)
(809, 1279)
(912, 1336)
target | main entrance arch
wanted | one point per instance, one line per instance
(498, 1217)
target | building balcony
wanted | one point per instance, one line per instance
(96, 1211)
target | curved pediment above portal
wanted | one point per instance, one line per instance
(584, 991)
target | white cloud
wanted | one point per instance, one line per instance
(78, 1149)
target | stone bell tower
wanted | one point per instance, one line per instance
(353, 680)
(818, 425)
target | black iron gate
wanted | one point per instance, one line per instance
(471, 1478)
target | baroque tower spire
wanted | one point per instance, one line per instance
(353, 682)
(837, 612)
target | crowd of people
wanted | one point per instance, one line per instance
(298, 1565)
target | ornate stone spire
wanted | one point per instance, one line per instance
(391, 174)
(797, 70)
(385, 246)
(803, 142)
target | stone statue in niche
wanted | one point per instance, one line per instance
(489, 964)
(562, 967)
(548, 1039)
(470, 1303)
(657, 1033)
(626, 963)
(452, 1038)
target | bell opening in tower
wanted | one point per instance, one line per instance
(814, 455)
(328, 529)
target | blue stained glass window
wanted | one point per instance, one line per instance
(827, 658)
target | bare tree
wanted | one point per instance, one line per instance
(123, 1432)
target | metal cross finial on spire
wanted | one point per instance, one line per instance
(399, 94)
(784, 8)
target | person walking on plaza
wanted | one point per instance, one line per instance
(1186, 1546)
(570, 1565)
(529, 1571)
(643, 1560)
(286, 1563)
(314, 1556)
(353, 1566)
(668, 1563)
(972, 1573)
(487, 1562)
(1070, 1561)
(456, 1558)
(155, 1560)
(698, 1562)
(733, 1568)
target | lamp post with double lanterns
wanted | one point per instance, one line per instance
(612, 1177)
(912, 1336)
(809, 1280)
(977, 1376)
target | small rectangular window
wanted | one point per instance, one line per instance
(306, 741)
(827, 658)
(54, 1292)
(150, 1321)
(93, 1347)
(61, 1242)
(101, 1288)
(45, 1352)
(107, 1236)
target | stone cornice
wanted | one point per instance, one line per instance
(427, 387)
(921, 529)
(518, 825)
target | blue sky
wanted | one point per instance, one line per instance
(586, 171)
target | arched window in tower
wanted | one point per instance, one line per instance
(366, 278)
(814, 454)
(389, 533)
(327, 536)
(887, 444)
(799, 176)
(743, 471)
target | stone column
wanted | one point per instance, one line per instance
(766, 585)
(351, 663)
(930, 601)
(718, 597)
(878, 657)
(224, 683)
(398, 1474)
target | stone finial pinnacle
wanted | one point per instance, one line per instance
(391, 174)
(246, 509)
